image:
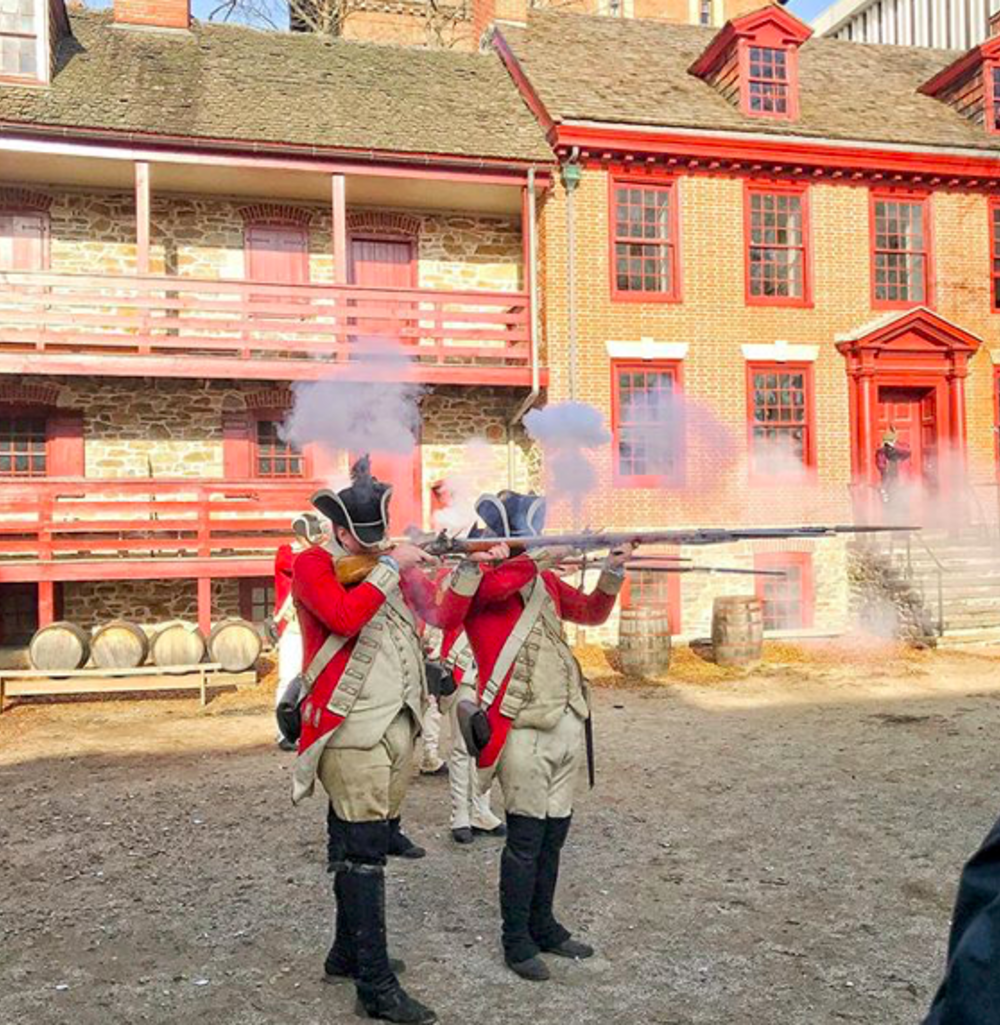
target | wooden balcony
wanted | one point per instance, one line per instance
(85, 529)
(128, 325)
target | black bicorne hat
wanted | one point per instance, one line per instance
(363, 508)
(510, 514)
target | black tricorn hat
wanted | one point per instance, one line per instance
(363, 508)
(510, 514)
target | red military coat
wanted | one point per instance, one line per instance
(495, 610)
(284, 561)
(325, 606)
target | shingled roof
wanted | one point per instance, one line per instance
(228, 82)
(636, 72)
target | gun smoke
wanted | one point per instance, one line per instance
(473, 477)
(368, 407)
(567, 432)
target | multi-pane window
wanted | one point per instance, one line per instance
(781, 445)
(777, 246)
(644, 240)
(787, 599)
(275, 456)
(767, 82)
(261, 600)
(901, 251)
(647, 423)
(22, 446)
(705, 12)
(649, 589)
(993, 102)
(18, 38)
(995, 255)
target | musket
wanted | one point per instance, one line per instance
(443, 544)
(655, 565)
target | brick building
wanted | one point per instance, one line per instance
(192, 219)
(800, 237)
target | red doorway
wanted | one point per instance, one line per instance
(912, 414)
(403, 473)
(907, 372)
(382, 263)
(277, 254)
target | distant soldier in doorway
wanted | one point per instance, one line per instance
(888, 457)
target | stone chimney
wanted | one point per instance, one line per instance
(174, 14)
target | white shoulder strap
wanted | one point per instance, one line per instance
(533, 605)
(287, 609)
(321, 660)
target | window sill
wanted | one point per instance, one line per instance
(798, 304)
(644, 297)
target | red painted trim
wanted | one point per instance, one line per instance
(996, 422)
(787, 560)
(994, 255)
(905, 196)
(622, 480)
(222, 368)
(28, 210)
(957, 70)
(520, 79)
(274, 415)
(65, 453)
(732, 154)
(377, 236)
(661, 184)
(142, 202)
(791, 82)
(991, 98)
(792, 188)
(246, 586)
(28, 138)
(136, 569)
(807, 370)
(338, 228)
(673, 604)
(769, 20)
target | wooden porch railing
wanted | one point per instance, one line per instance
(46, 521)
(55, 314)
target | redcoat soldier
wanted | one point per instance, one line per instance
(536, 701)
(308, 531)
(362, 714)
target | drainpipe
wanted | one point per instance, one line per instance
(531, 227)
(571, 178)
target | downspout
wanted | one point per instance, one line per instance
(536, 376)
(571, 178)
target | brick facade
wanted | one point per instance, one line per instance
(714, 321)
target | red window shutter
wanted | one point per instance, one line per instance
(237, 446)
(65, 456)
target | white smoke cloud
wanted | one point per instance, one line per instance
(567, 431)
(371, 406)
(463, 486)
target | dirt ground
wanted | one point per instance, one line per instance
(774, 847)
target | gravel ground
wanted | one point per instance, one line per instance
(778, 847)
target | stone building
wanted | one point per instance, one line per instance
(193, 220)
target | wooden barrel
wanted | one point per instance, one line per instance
(644, 641)
(119, 645)
(59, 646)
(235, 644)
(737, 630)
(178, 644)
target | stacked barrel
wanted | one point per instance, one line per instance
(234, 643)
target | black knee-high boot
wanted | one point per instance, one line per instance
(379, 992)
(341, 961)
(545, 929)
(518, 872)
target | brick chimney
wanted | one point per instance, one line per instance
(486, 12)
(174, 14)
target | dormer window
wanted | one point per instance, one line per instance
(971, 85)
(21, 43)
(993, 93)
(767, 81)
(753, 62)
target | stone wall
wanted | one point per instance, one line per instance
(146, 602)
(192, 236)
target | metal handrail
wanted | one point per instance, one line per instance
(939, 571)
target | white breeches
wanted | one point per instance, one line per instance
(469, 807)
(289, 660)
